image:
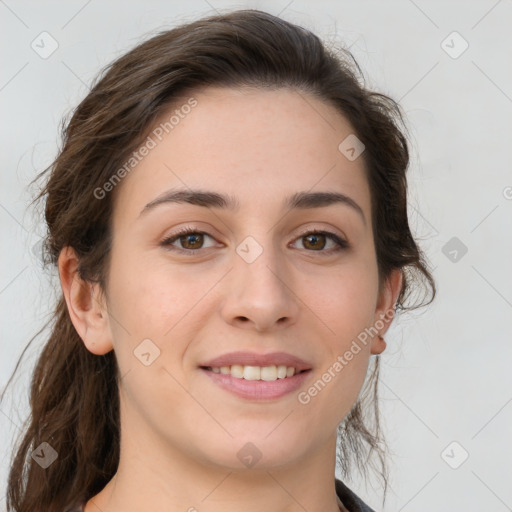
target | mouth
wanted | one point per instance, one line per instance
(257, 377)
(256, 373)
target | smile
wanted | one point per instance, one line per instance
(257, 383)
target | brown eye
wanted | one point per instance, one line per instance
(190, 241)
(316, 241)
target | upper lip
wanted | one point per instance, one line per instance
(244, 358)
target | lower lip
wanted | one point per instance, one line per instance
(258, 390)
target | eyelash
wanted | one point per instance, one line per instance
(342, 244)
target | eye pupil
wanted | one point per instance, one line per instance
(197, 238)
(315, 237)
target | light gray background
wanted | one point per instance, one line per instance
(446, 371)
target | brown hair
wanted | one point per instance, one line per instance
(74, 393)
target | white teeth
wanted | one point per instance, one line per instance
(252, 372)
(237, 371)
(267, 373)
(281, 372)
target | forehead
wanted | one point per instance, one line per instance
(257, 145)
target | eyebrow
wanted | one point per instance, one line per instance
(207, 199)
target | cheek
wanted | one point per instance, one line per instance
(345, 300)
(151, 296)
(345, 303)
(152, 300)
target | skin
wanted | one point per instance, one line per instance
(180, 433)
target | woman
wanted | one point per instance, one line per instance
(228, 217)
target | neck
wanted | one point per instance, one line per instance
(155, 476)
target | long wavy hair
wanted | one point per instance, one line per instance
(74, 402)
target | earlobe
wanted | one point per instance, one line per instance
(86, 310)
(385, 310)
(378, 345)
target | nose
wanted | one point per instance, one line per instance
(260, 295)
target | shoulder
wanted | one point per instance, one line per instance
(350, 499)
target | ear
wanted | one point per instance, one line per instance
(385, 311)
(85, 305)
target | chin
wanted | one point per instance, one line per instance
(246, 453)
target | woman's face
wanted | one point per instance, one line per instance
(250, 279)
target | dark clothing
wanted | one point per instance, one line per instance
(352, 502)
